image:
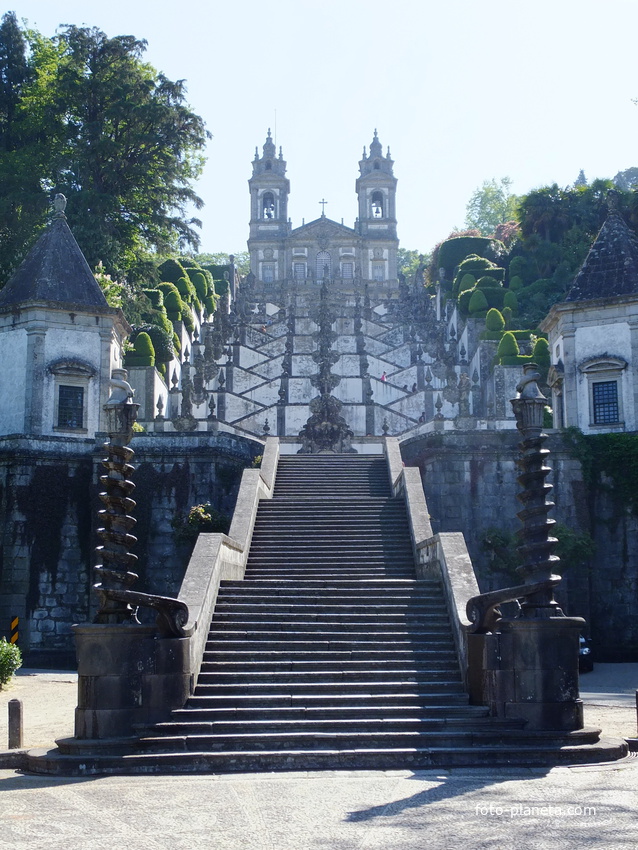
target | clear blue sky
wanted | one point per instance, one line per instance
(461, 91)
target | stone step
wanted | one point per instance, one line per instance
(335, 652)
(516, 750)
(284, 628)
(328, 596)
(266, 715)
(356, 560)
(326, 635)
(338, 741)
(314, 681)
(463, 720)
(446, 695)
(426, 585)
(361, 608)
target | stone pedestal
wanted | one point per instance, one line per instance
(127, 675)
(531, 672)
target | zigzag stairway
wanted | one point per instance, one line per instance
(331, 654)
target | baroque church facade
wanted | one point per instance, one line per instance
(323, 249)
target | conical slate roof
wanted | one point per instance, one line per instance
(611, 267)
(55, 271)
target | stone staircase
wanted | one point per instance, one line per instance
(331, 654)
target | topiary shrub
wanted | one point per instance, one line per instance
(516, 283)
(200, 283)
(468, 281)
(210, 304)
(507, 347)
(478, 302)
(162, 341)
(510, 301)
(187, 319)
(10, 660)
(156, 297)
(221, 286)
(174, 306)
(463, 282)
(488, 282)
(453, 251)
(480, 266)
(165, 287)
(143, 354)
(494, 320)
(541, 356)
(171, 270)
(176, 343)
(186, 289)
(507, 315)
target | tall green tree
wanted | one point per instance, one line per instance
(23, 202)
(117, 138)
(490, 205)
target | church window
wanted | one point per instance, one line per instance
(347, 271)
(604, 379)
(378, 271)
(268, 165)
(70, 407)
(377, 205)
(268, 272)
(71, 381)
(324, 265)
(268, 205)
(605, 402)
(377, 166)
(299, 271)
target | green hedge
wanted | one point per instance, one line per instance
(10, 660)
(143, 353)
(162, 340)
(186, 290)
(171, 270)
(174, 306)
(494, 320)
(453, 251)
(478, 301)
(187, 318)
(488, 282)
(510, 300)
(515, 359)
(463, 282)
(507, 347)
(221, 287)
(156, 297)
(198, 279)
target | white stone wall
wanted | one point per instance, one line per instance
(13, 360)
(76, 343)
(595, 341)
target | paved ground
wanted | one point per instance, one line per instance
(496, 809)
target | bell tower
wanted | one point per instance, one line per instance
(269, 189)
(377, 222)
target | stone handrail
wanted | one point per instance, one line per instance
(443, 556)
(218, 557)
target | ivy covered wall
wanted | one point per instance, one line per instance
(470, 485)
(48, 519)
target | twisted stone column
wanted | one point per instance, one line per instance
(115, 562)
(539, 565)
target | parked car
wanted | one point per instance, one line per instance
(585, 658)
